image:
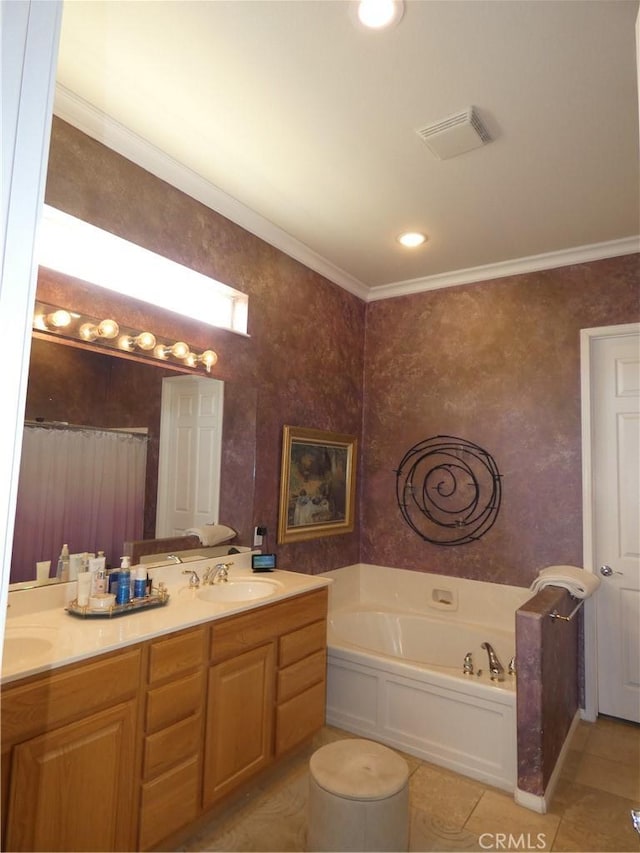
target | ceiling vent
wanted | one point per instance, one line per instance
(455, 135)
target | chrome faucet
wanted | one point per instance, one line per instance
(221, 573)
(194, 580)
(174, 558)
(496, 669)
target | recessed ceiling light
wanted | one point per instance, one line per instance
(377, 14)
(412, 239)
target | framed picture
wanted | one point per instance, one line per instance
(317, 484)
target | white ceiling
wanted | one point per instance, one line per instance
(299, 125)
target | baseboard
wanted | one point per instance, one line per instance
(539, 803)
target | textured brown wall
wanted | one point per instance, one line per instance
(304, 356)
(498, 364)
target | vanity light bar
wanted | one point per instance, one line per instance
(59, 323)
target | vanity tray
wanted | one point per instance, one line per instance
(157, 598)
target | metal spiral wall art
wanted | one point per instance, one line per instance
(448, 490)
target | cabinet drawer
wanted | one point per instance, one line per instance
(173, 702)
(169, 802)
(299, 718)
(298, 644)
(180, 653)
(172, 745)
(71, 693)
(238, 634)
(297, 677)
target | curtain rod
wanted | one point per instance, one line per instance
(143, 432)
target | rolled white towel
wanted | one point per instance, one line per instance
(212, 534)
(580, 583)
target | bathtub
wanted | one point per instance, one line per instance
(394, 674)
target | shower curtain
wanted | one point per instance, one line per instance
(82, 487)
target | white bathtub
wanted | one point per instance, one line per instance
(395, 675)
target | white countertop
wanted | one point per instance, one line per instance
(41, 635)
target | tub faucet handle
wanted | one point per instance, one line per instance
(512, 666)
(467, 667)
(496, 670)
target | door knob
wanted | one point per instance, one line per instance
(607, 571)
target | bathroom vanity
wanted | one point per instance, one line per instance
(124, 747)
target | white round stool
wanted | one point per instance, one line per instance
(358, 798)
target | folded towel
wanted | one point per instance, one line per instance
(580, 583)
(212, 534)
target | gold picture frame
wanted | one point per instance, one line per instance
(317, 484)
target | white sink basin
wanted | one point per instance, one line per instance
(249, 590)
(25, 644)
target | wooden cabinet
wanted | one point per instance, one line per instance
(266, 689)
(70, 742)
(172, 739)
(239, 720)
(302, 660)
(124, 750)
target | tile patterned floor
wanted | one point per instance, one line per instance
(590, 812)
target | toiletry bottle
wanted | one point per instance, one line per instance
(124, 581)
(97, 567)
(140, 582)
(100, 583)
(62, 572)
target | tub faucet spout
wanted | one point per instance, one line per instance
(496, 669)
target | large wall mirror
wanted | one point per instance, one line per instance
(79, 387)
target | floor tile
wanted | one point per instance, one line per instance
(444, 797)
(612, 776)
(616, 741)
(581, 839)
(427, 833)
(595, 818)
(497, 815)
(581, 734)
(590, 811)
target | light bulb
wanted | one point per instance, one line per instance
(88, 331)
(179, 349)
(209, 358)
(377, 14)
(108, 329)
(145, 340)
(412, 239)
(58, 319)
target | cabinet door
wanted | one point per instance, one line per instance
(71, 789)
(239, 720)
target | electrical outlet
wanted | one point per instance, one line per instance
(257, 537)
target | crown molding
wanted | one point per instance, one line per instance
(101, 127)
(502, 269)
(521, 266)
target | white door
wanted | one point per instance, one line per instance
(615, 489)
(190, 452)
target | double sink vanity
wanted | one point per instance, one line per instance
(118, 733)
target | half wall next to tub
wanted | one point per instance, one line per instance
(548, 653)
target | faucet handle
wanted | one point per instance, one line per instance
(194, 580)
